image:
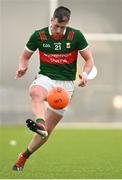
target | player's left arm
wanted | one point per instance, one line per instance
(89, 62)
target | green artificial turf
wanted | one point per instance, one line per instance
(68, 154)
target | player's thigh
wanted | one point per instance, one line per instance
(40, 86)
(43, 81)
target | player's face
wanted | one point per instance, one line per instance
(57, 27)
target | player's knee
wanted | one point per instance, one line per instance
(37, 92)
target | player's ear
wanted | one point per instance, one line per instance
(52, 19)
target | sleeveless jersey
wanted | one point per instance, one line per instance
(58, 57)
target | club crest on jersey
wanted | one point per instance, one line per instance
(68, 45)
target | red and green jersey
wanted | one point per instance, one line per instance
(58, 55)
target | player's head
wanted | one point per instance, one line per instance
(62, 14)
(60, 20)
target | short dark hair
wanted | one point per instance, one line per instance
(62, 14)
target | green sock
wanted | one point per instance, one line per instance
(40, 120)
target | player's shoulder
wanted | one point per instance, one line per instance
(73, 29)
(77, 32)
(39, 32)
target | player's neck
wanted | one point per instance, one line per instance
(52, 33)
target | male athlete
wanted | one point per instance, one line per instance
(58, 47)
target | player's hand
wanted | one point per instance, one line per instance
(20, 72)
(83, 79)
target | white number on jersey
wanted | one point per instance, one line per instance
(57, 46)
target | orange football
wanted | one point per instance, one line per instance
(58, 98)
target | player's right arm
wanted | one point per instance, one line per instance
(30, 47)
(23, 63)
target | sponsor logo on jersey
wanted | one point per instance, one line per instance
(68, 45)
(66, 58)
(46, 45)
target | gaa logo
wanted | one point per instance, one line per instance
(46, 45)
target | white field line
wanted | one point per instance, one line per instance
(65, 179)
(103, 37)
(93, 125)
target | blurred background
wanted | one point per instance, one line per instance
(101, 23)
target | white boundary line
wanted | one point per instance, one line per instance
(68, 179)
(90, 125)
(103, 37)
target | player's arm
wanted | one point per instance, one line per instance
(30, 48)
(23, 63)
(84, 50)
(89, 62)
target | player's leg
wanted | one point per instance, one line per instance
(37, 141)
(51, 121)
(38, 94)
(52, 118)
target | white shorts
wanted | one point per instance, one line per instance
(49, 83)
